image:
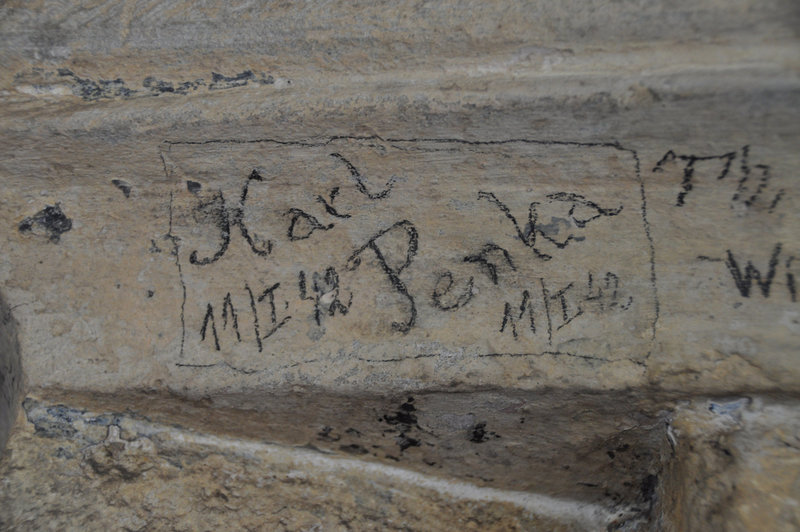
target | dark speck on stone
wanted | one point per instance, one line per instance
(50, 221)
(404, 442)
(193, 186)
(124, 186)
(403, 415)
(478, 433)
(648, 488)
(353, 448)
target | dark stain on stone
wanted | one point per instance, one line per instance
(404, 441)
(479, 434)
(326, 434)
(104, 420)
(50, 221)
(219, 81)
(54, 422)
(405, 421)
(124, 186)
(158, 86)
(100, 89)
(193, 186)
(716, 445)
(648, 489)
(237, 79)
(404, 415)
(63, 453)
(94, 90)
(353, 448)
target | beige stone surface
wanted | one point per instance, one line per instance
(692, 139)
(594, 448)
(369, 253)
(549, 223)
(736, 466)
(120, 471)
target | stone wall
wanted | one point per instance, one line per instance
(518, 265)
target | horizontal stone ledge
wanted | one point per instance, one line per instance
(552, 443)
(560, 460)
(269, 486)
(644, 75)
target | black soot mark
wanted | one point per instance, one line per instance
(193, 186)
(124, 186)
(648, 488)
(50, 221)
(405, 420)
(326, 434)
(404, 415)
(94, 90)
(353, 448)
(479, 434)
(404, 442)
(220, 81)
(157, 86)
(89, 89)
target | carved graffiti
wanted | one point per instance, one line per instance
(385, 258)
(756, 198)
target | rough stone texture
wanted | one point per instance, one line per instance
(560, 227)
(736, 466)
(10, 372)
(134, 475)
(594, 448)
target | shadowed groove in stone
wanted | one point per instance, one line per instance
(10, 372)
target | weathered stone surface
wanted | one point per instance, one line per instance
(122, 246)
(118, 471)
(595, 448)
(10, 372)
(102, 178)
(364, 252)
(736, 466)
(277, 223)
